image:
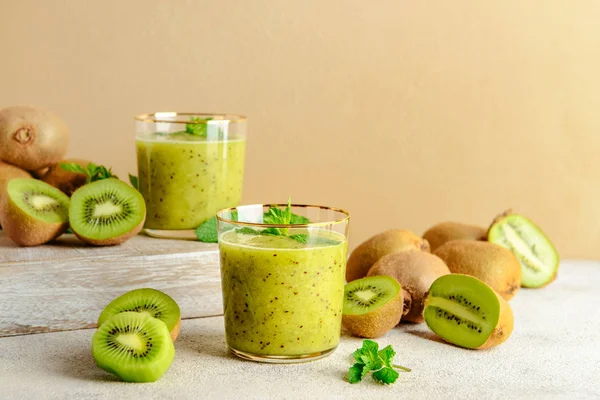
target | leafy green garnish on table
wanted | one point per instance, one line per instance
(93, 172)
(207, 232)
(198, 126)
(369, 358)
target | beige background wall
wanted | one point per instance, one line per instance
(403, 112)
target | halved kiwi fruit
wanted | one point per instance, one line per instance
(146, 301)
(134, 346)
(444, 232)
(465, 311)
(538, 257)
(370, 251)
(106, 212)
(372, 306)
(33, 212)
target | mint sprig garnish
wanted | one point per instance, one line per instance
(369, 358)
(134, 181)
(198, 126)
(93, 172)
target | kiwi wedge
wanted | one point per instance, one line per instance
(493, 264)
(133, 346)
(149, 302)
(465, 311)
(444, 232)
(537, 255)
(33, 212)
(370, 251)
(106, 212)
(372, 306)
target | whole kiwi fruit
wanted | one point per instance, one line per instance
(32, 138)
(444, 232)
(66, 181)
(489, 262)
(366, 254)
(8, 172)
(415, 271)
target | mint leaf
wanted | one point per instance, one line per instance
(134, 181)
(298, 219)
(356, 373)
(387, 355)
(198, 126)
(73, 167)
(300, 238)
(93, 172)
(207, 232)
(386, 375)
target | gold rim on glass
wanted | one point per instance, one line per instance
(263, 225)
(160, 117)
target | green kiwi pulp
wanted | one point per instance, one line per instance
(33, 212)
(462, 310)
(150, 302)
(106, 212)
(136, 347)
(372, 306)
(538, 257)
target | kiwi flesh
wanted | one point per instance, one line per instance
(64, 180)
(372, 306)
(444, 232)
(106, 212)
(8, 172)
(415, 271)
(32, 138)
(133, 346)
(390, 241)
(33, 212)
(491, 263)
(146, 301)
(465, 311)
(537, 255)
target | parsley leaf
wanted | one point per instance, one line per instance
(370, 358)
(93, 172)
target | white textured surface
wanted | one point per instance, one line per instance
(554, 352)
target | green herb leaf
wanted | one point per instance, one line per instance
(93, 172)
(299, 219)
(355, 373)
(369, 358)
(134, 181)
(207, 232)
(198, 126)
(386, 375)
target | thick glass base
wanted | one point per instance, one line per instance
(283, 359)
(187, 234)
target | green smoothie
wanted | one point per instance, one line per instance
(185, 179)
(282, 297)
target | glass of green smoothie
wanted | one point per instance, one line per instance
(190, 165)
(283, 273)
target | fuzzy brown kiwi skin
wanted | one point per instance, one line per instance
(376, 323)
(175, 331)
(415, 271)
(25, 230)
(491, 263)
(115, 240)
(370, 251)
(66, 181)
(8, 172)
(444, 232)
(32, 138)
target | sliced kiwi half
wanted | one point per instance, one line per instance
(372, 306)
(136, 347)
(33, 212)
(146, 301)
(465, 311)
(538, 257)
(106, 212)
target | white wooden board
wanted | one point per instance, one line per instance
(66, 284)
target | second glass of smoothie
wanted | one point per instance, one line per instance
(283, 284)
(190, 165)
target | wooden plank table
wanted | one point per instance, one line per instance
(66, 284)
